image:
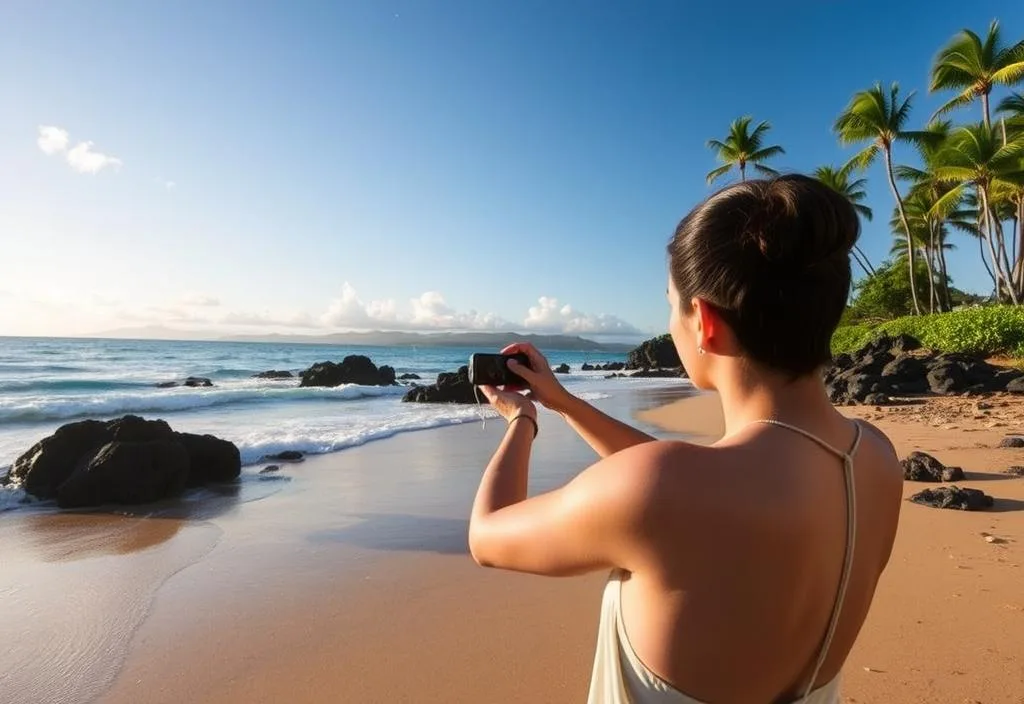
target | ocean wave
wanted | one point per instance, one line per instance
(58, 385)
(313, 440)
(38, 409)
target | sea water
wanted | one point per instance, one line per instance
(46, 382)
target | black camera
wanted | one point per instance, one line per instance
(492, 369)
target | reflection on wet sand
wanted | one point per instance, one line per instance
(61, 537)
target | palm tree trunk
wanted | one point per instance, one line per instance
(866, 263)
(857, 258)
(928, 253)
(1011, 287)
(948, 300)
(984, 260)
(1018, 246)
(906, 228)
(743, 171)
(984, 107)
(990, 238)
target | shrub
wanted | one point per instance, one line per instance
(987, 330)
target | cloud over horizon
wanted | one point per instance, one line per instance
(82, 157)
(428, 312)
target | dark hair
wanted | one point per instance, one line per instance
(772, 256)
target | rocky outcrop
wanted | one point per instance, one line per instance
(922, 467)
(193, 381)
(954, 497)
(658, 373)
(1012, 441)
(274, 374)
(286, 456)
(354, 369)
(408, 376)
(656, 353)
(451, 387)
(562, 369)
(607, 367)
(1016, 470)
(898, 366)
(129, 460)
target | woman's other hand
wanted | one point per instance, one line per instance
(544, 387)
(509, 404)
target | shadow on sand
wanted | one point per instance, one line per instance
(401, 532)
(1006, 505)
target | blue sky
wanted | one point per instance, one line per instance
(243, 166)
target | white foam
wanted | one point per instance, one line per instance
(34, 409)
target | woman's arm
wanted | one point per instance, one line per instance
(596, 521)
(602, 432)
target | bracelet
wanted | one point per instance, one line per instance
(513, 419)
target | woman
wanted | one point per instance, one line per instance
(740, 572)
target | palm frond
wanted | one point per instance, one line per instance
(909, 173)
(1011, 104)
(863, 159)
(952, 174)
(863, 210)
(715, 173)
(766, 153)
(948, 202)
(965, 98)
(1010, 74)
(767, 171)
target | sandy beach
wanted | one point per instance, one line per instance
(346, 579)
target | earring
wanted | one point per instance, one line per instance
(700, 349)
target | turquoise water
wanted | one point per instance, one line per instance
(45, 383)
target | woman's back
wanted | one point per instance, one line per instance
(728, 561)
(735, 595)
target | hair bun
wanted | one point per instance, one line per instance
(798, 223)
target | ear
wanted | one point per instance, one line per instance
(709, 325)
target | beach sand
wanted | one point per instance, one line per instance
(351, 582)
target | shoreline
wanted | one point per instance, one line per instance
(352, 582)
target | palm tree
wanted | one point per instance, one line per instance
(926, 190)
(972, 67)
(877, 118)
(839, 181)
(977, 156)
(742, 147)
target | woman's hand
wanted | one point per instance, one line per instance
(542, 382)
(510, 404)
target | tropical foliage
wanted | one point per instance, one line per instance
(952, 185)
(985, 330)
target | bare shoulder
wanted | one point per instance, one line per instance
(638, 476)
(877, 433)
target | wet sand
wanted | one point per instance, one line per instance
(352, 582)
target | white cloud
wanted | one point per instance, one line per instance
(84, 160)
(431, 311)
(94, 311)
(52, 139)
(549, 316)
(170, 185)
(349, 311)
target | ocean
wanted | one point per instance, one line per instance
(46, 382)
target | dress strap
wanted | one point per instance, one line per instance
(851, 534)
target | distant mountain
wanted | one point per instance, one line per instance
(483, 340)
(382, 338)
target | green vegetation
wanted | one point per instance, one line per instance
(984, 330)
(968, 178)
